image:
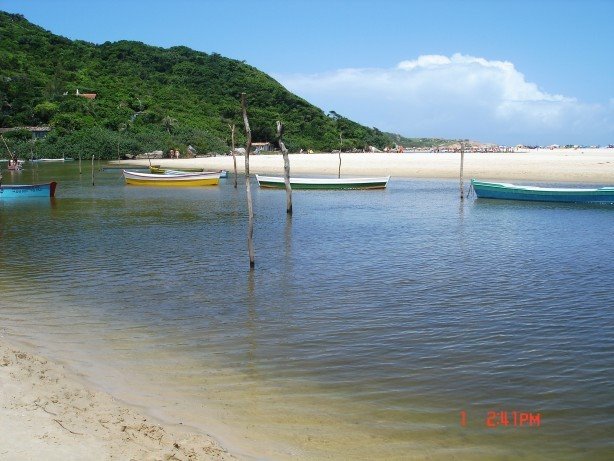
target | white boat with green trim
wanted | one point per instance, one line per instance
(277, 182)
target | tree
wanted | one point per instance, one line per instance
(169, 123)
(45, 111)
(169, 97)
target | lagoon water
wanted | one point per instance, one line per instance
(395, 324)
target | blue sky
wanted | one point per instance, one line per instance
(535, 71)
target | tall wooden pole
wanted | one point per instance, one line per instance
(234, 156)
(250, 209)
(6, 145)
(122, 127)
(79, 163)
(340, 145)
(92, 170)
(284, 152)
(462, 162)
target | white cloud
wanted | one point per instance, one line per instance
(458, 96)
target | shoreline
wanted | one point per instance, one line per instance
(557, 165)
(48, 413)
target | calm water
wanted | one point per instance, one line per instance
(372, 320)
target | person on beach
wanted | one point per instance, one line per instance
(176, 153)
(171, 154)
(13, 162)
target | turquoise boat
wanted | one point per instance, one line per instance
(28, 191)
(507, 191)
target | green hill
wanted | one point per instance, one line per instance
(148, 98)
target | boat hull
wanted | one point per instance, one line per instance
(28, 191)
(506, 191)
(275, 182)
(160, 170)
(174, 180)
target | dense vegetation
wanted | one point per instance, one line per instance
(149, 98)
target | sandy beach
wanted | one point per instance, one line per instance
(47, 413)
(557, 165)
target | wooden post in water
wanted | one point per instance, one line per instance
(250, 209)
(122, 127)
(92, 170)
(462, 195)
(234, 156)
(340, 145)
(6, 145)
(284, 151)
(79, 163)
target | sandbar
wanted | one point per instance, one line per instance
(590, 165)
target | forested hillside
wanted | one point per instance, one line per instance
(148, 98)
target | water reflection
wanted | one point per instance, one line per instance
(251, 324)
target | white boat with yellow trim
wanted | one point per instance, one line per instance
(181, 180)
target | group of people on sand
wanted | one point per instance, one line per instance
(174, 153)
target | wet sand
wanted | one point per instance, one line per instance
(48, 413)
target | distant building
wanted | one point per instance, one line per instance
(38, 132)
(261, 146)
(86, 95)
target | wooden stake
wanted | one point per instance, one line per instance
(234, 156)
(340, 145)
(250, 209)
(462, 195)
(284, 151)
(122, 127)
(6, 145)
(92, 170)
(79, 163)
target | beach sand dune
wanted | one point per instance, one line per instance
(48, 415)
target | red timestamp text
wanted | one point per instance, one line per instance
(506, 418)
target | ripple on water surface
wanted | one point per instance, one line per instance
(372, 319)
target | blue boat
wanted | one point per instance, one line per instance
(507, 191)
(27, 191)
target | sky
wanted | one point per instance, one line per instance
(534, 72)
